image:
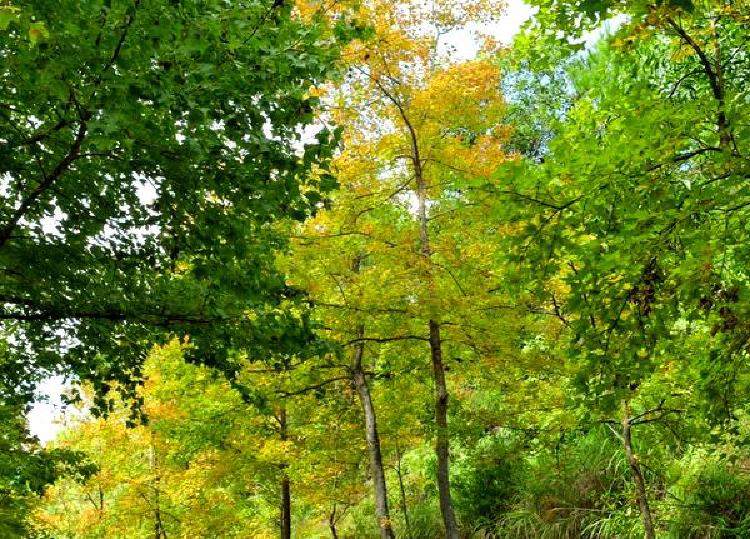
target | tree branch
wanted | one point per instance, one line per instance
(47, 181)
(387, 339)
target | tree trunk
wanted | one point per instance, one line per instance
(286, 498)
(635, 466)
(373, 444)
(442, 449)
(101, 504)
(441, 443)
(332, 523)
(725, 135)
(286, 507)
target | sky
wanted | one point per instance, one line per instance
(45, 416)
(466, 47)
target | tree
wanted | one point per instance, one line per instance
(631, 207)
(147, 148)
(208, 463)
(562, 251)
(427, 133)
(189, 471)
(26, 469)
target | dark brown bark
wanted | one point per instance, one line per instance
(635, 467)
(441, 392)
(442, 449)
(713, 72)
(101, 504)
(285, 507)
(442, 440)
(48, 179)
(373, 443)
(725, 135)
(332, 523)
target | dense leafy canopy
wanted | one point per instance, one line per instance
(148, 147)
(147, 151)
(523, 313)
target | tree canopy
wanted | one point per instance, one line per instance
(148, 149)
(353, 284)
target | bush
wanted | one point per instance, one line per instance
(710, 497)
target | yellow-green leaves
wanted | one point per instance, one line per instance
(37, 32)
(8, 14)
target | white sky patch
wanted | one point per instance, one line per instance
(50, 223)
(45, 417)
(6, 181)
(609, 26)
(146, 190)
(307, 135)
(464, 44)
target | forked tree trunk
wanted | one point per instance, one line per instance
(635, 467)
(285, 506)
(332, 523)
(373, 443)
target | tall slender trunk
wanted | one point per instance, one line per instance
(404, 509)
(373, 442)
(285, 506)
(635, 466)
(442, 440)
(286, 509)
(442, 449)
(101, 504)
(441, 392)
